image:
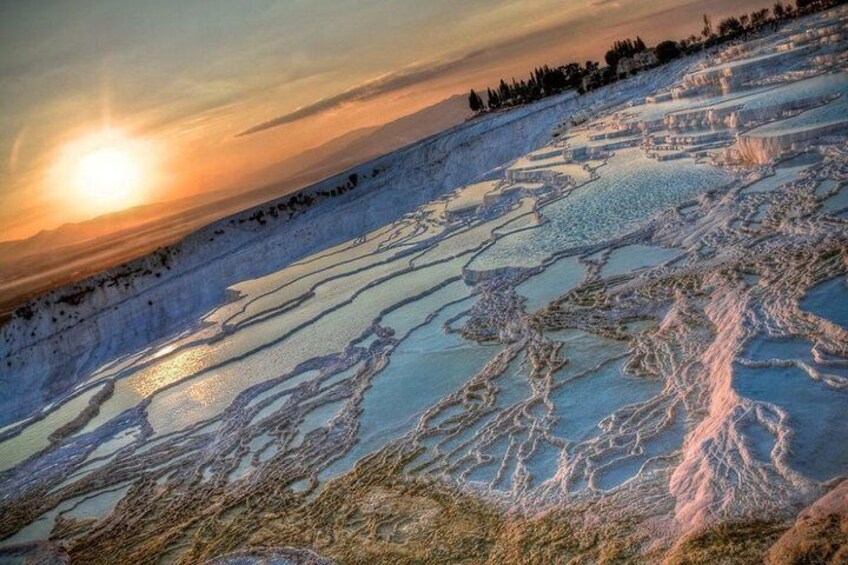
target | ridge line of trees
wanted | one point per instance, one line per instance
(629, 56)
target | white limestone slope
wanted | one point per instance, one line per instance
(637, 321)
(73, 330)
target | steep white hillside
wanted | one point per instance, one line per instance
(68, 332)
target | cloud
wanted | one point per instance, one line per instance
(387, 83)
(576, 32)
(554, 33)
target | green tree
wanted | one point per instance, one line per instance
(666, 51)
(475, 102)
(729, 27)
(707, 30)
(493, 100)
(759, 18)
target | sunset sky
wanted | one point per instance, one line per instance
(174, 83)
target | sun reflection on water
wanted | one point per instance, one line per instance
(167, 372)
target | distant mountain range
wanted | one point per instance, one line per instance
(360, 145)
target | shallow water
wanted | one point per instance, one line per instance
(634, 257)
(816, 415)
(834, 112)
(785, 172)
(425, 367)
(557, 279)
(583, 403)
(630, 190)
(619, 471)
(829, 300)
(35, 436)
(837, 202)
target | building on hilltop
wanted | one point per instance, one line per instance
(636, 63)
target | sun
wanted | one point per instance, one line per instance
(104, 171)
(108, 176)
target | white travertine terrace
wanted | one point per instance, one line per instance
(645, 317)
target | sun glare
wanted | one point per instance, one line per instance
(104, 171)
(108, 175)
